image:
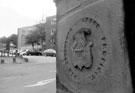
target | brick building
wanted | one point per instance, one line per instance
(50, 28)
(51, 32)
(22, 33)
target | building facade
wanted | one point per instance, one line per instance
(22, 33)
(50, 29)
(51, 32)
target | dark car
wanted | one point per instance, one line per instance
(37, 53)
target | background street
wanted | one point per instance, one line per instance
(36, 76)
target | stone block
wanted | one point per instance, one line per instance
(91, 54)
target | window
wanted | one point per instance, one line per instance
(53, 21)
(52, 42)
(53, 31)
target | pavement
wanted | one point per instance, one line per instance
(35, 76)
(41, 59)
(8, 60)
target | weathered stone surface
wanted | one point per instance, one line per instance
(92, 57)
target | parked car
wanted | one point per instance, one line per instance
(11, 51)
(23, 52)
(37, 53)
(50, 52)
(14, 51)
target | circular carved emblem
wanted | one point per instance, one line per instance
(86, 51)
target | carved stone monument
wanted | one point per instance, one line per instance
(91, 53)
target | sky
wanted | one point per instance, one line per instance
(15, 14)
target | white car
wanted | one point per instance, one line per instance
(23, 52)
(50, 52)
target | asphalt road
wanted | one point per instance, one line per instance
(36, 76)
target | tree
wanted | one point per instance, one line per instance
(41, 33)
(37, 36)
(32, 39)
(6, 41)
(13, 39)
(3, 40)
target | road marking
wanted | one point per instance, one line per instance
(9, 77)
(41, 83)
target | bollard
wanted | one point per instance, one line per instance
(14, 60)
(2, 61)
(26, 60)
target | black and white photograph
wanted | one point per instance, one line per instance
(67, 46)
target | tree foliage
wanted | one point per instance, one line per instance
(13, 39)
(7, 40)
(41, 33)
(3, 40)
(32, 38)
(37, 36)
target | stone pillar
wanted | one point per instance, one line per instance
(91, 52)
